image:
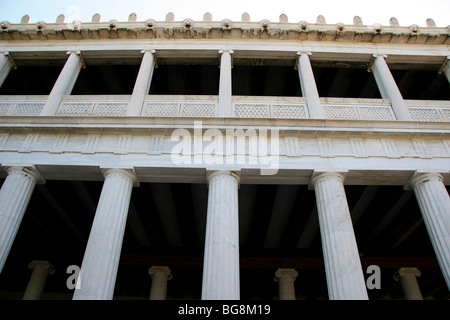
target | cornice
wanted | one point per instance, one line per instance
(226, 29)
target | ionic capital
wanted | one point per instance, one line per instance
(79, 55)
(300, 52)
(285, 271)
(44, 265)
(160, 269)
(221, 51)
(402, 272)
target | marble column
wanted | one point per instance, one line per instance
(345, 278)
(5, 66)
(41, 269)
(434, 203)
(160, 276)
(446, 69)
(388, 87)
(308, 86)
(221, 258)
(225, 89)
(285, 278)
(142, 84)
(407, 278)
(101, 258)
(14, 197)
(64, 84)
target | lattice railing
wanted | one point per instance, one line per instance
(429, 113)
(91, 108)
(21, 108)
(358, 112)
(179, 109)
(270, 110)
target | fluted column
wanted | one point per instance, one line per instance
(345, 279)
(407, 278)
(388, 87)
(434, 203)
(285, 278)
(14, 197)
(101, 258)
(41, 269)
(160, 276)
(64, 84)
(309, 87)
(221, 258)
(225, 89)
(142, 84)
(5, 66)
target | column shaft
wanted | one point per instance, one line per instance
(286, 288)
(308, 86)
(388, 88)
(160, 276)
(36, 284)
(14, 197)
(434, 203)
(221, 259)
(64, 84)
(446, 70)
(101, 258)
(345, 279)
(225, 88)
(5, 67)
(142, 84)
(408, 281)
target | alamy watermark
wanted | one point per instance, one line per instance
(372, 282)
(258, 148)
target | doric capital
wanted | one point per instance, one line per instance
(44, 265)
(162, 270)
(285, 271)
(123, 172)
(320, 175)
(405, 272)
(28, 170)
(420, 177)
(213, 174)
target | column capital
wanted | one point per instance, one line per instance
(419, 177)
(153, 51)
(225, 173)
(160, 269)
(325, 174)
(29, 170)
(285, 271)
(7, 55)
(300, 52)
(377, 55)
(45, 265)
(230, 51)
(124, 172)
(406, 271)
(79, 55)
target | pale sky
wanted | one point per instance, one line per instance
(407, 12)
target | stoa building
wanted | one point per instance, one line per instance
(221, 159)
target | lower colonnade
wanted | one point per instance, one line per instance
(221, 267)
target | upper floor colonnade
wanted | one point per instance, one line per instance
(134, 104)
